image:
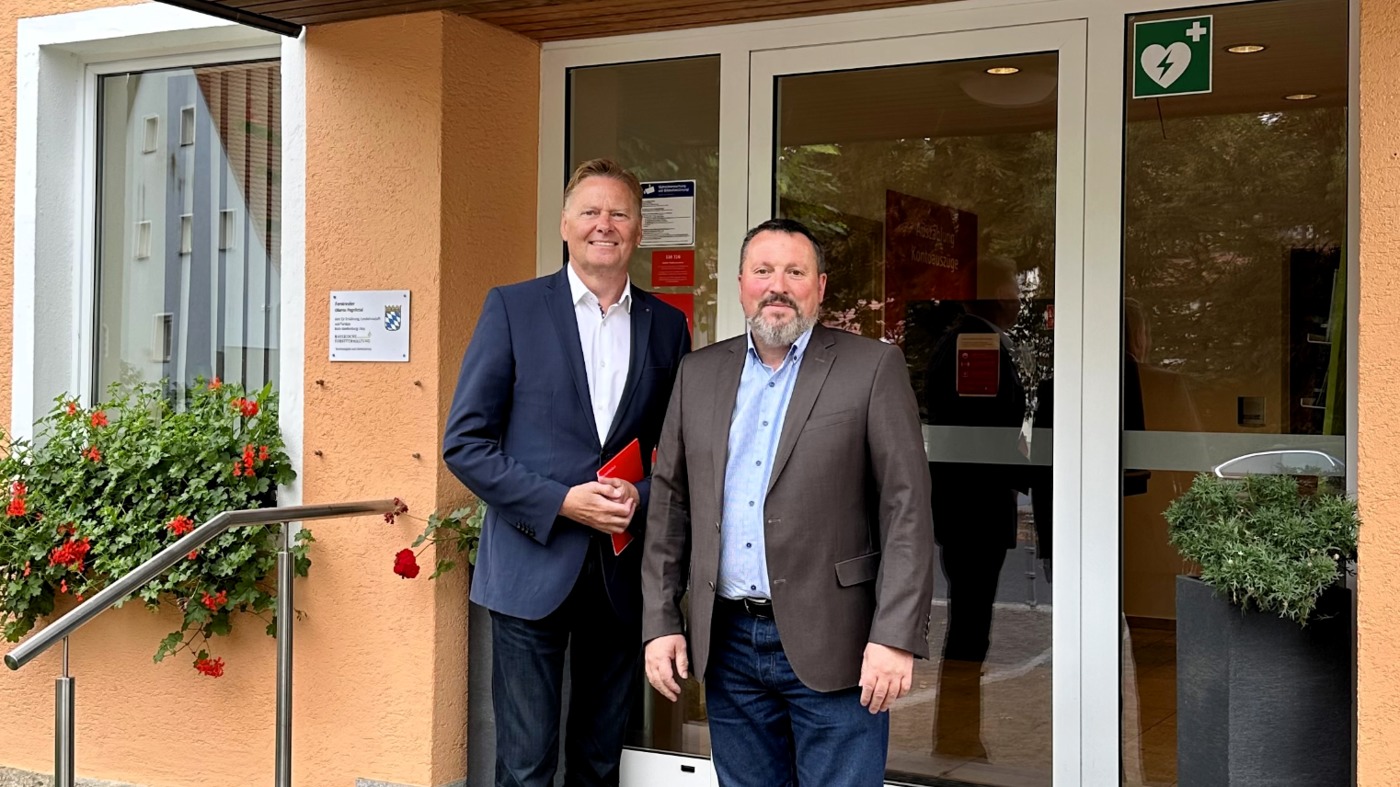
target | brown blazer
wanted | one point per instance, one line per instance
(848, 530)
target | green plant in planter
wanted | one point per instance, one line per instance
(460, 530)
(1265, 540)
(100, 490)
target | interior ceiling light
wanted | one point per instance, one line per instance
(1246, 49)
(1027, 89)
(1003, 70)
(1300, 96)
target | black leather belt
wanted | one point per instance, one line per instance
(754, 607)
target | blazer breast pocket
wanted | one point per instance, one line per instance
(830, 419)
(858, 569)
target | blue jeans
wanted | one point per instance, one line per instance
(769, 730)
(527, 675)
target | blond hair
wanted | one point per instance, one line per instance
(604, 168)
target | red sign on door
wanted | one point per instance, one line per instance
(684, 301)
(673, 268)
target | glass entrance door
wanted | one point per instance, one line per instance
(944, 175)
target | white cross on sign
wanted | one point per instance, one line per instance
(1196, 31)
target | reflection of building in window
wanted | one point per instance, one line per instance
(203, 219)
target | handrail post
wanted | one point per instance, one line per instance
(64, 708)
(285, 571)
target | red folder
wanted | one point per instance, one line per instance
(626, 465)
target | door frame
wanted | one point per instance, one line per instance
(1087, 731)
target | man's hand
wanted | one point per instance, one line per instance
(622, 491)
(665, 658)
(600, 506)
(885, 675)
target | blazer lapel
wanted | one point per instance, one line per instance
(726, 390)
(561, 311)
(641, 332)
(816, 364)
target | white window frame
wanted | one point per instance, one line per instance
(1087, 745)
(60, 59)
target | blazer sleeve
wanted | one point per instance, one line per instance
(899, 467)
(666, 547)
(476, 424)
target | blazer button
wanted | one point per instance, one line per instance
(716, 527)
(712, 586)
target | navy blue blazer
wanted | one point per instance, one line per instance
(521, 433)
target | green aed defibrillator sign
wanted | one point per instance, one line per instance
(1172, 57)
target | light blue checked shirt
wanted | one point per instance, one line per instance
(754, 429)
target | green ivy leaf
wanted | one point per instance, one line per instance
(169, 645)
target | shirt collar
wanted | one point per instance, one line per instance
(794, 352)
(580, 291)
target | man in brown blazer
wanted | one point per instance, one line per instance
(790, 497)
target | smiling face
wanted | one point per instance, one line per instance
(602, 225)
(779, 287)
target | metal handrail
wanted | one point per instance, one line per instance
(132, 581)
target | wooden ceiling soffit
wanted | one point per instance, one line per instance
(542, 20)
(556, 20)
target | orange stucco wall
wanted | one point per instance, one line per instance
(420, 175)
(421, 157)
(1378, 400)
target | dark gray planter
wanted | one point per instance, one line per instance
(1261, 701)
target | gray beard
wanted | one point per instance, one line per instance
(784, 335)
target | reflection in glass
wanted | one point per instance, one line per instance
(189, 235)
(1235, 305)
(933, 189)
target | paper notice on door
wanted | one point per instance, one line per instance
(979, 364)
(668, 213)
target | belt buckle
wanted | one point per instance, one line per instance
(757, 607)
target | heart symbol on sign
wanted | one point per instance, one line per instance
(1166, 64)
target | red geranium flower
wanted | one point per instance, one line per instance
(406, 564)
(247, 407)
(215, 602)
(99, 418)
(72, 553)
(93, 454)
(215, 384)
(262, 453)
(16, 507)
(18, 489)
(180, 525)
(71, 408)
(214, 668)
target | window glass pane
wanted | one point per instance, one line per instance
(932, 188)
(190, 161)
(1235, 312)
(660, 119)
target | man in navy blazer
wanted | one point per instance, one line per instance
(561, 374)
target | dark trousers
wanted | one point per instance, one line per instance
(527, 675)
(767, 729)
(973, 570)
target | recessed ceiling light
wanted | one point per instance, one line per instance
(1246, 49)
(1300, 96)
(1003, 70)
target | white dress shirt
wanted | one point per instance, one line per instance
(606, 339)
